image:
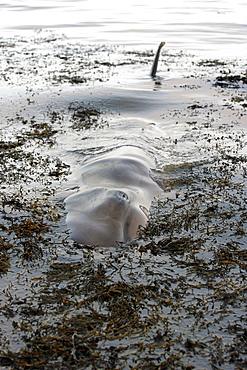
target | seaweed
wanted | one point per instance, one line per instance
(212, 63)
(85, 116)
(175, 297)
(231, 81)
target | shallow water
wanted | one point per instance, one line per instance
(171, 295)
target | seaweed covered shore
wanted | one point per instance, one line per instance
(175, 297)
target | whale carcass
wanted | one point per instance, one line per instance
(115, 193)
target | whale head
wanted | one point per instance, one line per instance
(116, 191)
(105, 217)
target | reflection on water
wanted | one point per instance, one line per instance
(186, 25)
(153, 114)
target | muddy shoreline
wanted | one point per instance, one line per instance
(174, 298)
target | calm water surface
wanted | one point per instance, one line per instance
(198, 26)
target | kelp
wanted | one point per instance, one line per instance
(85, 116)
(175, 297)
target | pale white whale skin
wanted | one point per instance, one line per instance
(115, 193)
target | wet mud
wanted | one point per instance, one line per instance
(175, 297)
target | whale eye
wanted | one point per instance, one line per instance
(122, 196)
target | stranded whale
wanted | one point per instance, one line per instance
(115, 193)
